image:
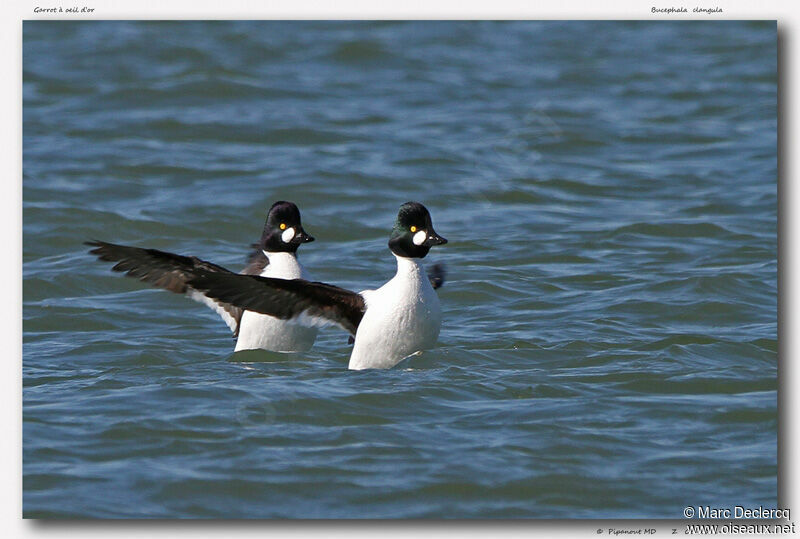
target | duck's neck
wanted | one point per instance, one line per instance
(409, 268)
(283, 265)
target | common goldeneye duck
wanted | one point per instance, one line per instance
(395, 321)
(275, 257)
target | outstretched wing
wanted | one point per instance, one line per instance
(168, 271)
(305, 302)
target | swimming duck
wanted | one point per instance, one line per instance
(274, 257)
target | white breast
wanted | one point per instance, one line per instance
(283, 266)
(402, 317)
(262, 331)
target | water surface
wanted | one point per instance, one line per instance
(609, 345)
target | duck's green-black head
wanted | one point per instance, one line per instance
(413, 234)
(283, 231)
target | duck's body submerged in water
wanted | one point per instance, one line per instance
(397, 320)
(275, 257)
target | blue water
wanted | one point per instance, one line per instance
(609, 190)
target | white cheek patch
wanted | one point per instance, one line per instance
(420, 237)
(287, 235)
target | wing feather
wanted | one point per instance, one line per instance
(169, 271)
(304, 302)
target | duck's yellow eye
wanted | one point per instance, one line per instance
(413, 228)
(283, 226)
